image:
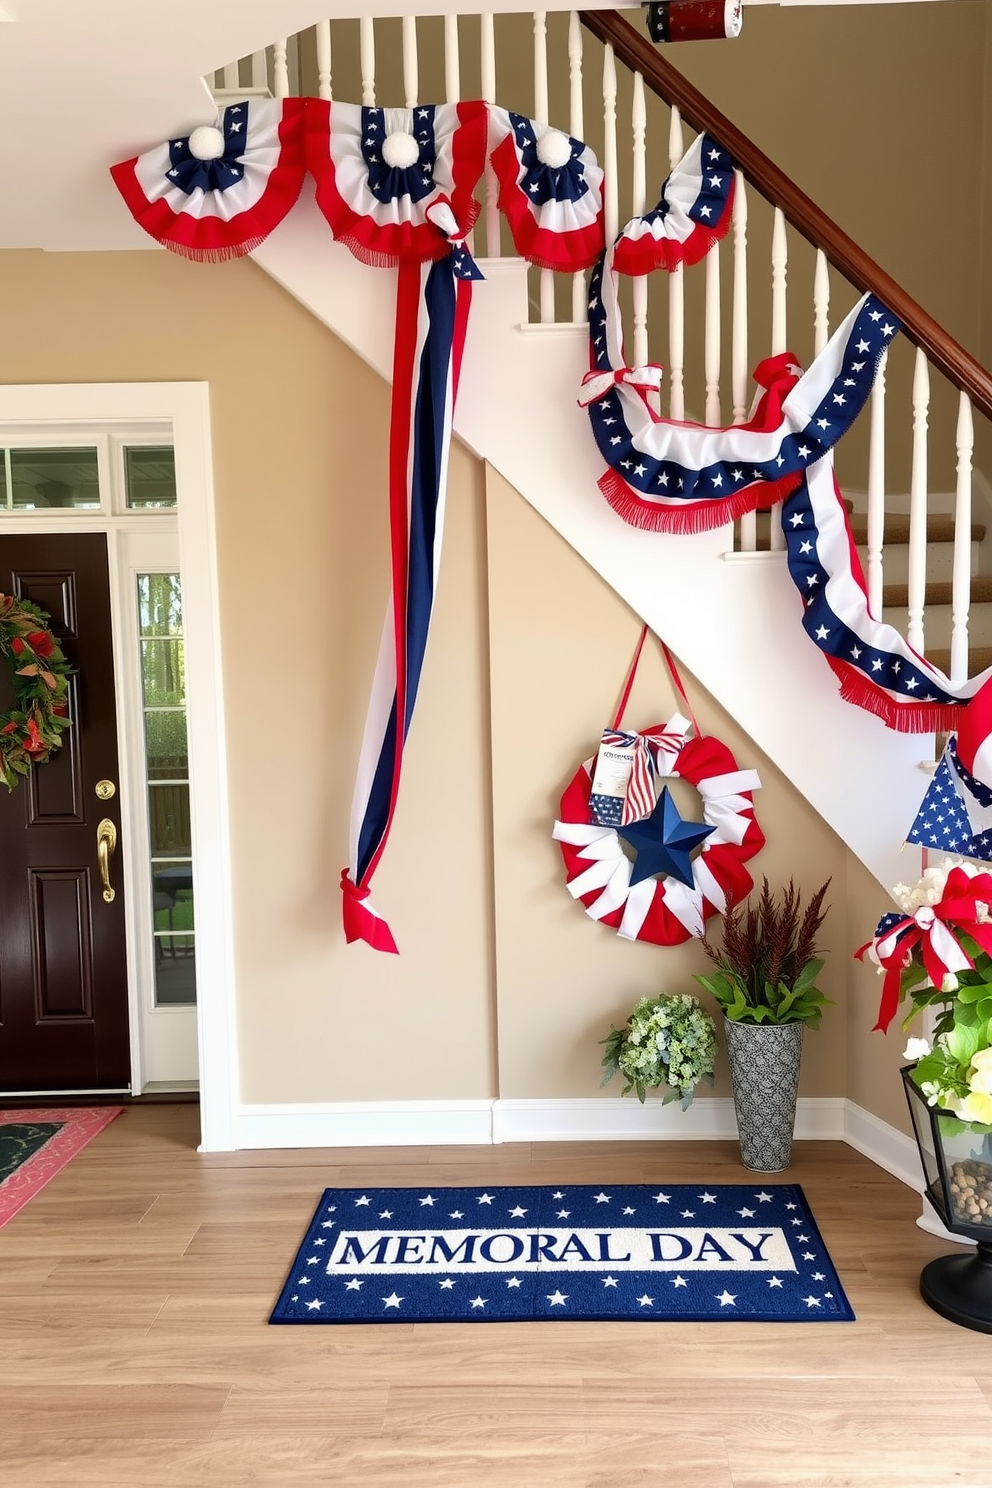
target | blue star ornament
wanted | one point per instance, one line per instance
(664, 842)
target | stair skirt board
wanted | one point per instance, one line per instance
(483, 1122)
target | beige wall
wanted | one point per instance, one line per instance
(299, 463)
(511, 992)
(561, 643)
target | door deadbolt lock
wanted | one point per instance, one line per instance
(105, 790)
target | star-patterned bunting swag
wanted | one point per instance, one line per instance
(877, 668)
(671, 476)
(218, 192)
(495, 1254)
(550, 192)
(664, 842)
(693, 213)
(956, 813)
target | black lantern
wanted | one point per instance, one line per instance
(957, 1166)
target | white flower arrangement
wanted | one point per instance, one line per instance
(667, 1041)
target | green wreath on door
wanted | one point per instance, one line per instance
(34, 726)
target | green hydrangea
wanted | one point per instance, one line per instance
(667, 1041)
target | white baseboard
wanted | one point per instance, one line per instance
(884, 1144)
(618, 1120)
(482, 1122)
(365, 1124)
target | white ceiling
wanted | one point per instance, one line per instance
(84, 85)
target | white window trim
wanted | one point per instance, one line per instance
(186, 406)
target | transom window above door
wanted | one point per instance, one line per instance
(112, 474)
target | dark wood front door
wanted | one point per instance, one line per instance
(63, 974)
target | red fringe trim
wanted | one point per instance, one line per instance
(903, 717)
(638, 256)
(215, 255)
(692, 516)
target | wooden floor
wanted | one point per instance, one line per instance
(135, 1353)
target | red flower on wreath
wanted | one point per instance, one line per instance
(17, 645)
(8, 728)
(34, 743)
(41, 643)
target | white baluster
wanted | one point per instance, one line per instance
(232, 77)
(611, 205)
(676, 297)
(711, 343)
(638, 203)
(876, 491)
(821, 302)
(366, 50)
(259, 73)
(541, 117)
(961, 581)
(576, 123)
(487, 59)
(322, 37)
(280, 68)
(452, 65)
(918, 504)
(738, 352)
(780, 334)
(411, 66)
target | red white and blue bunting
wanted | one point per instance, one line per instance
(431, 317)
(877, 668)
(397, 184)
(693, 213)
(681, 477)
(550, 191)
(218, 192)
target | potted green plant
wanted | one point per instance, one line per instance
(667, 1041)
(765, 982)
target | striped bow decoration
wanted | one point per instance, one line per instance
(595, 385)
(654, 753)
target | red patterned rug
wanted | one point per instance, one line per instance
(35, 1145)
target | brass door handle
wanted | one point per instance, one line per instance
(106, 844)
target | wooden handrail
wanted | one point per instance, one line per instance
(638, 53)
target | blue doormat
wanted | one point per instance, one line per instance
(690, 1253)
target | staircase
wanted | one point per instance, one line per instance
(722, 600)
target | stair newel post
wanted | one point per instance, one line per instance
(638, 205)
(322, 37)
(576, 123)
(738, 343)
(780, 320)
(611, 204)
(280, 67)
(487, 64)
(918, 500)
(366, 50)
(961, 578)
(676, 296)
(876, 490)
(452, 61)
(411, 63)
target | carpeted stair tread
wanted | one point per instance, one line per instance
(937, 593)
(939, 529)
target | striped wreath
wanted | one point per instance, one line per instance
(34, 726)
